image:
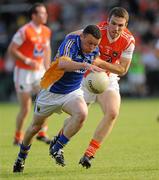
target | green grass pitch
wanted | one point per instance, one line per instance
(131, 151)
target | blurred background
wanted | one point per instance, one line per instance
(66, 16)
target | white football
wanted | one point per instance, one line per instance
(97, 82)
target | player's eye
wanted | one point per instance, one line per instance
(121, 25)
(113, 23)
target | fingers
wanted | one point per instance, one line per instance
(97, 69)
(94, 68)
(31, 62)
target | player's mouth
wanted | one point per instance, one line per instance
(115, 33)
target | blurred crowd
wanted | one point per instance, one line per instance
(69, 15)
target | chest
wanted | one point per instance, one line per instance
(111, 51)
(33, 37)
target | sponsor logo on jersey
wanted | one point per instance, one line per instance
(38, 50)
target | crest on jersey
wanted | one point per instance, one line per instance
(115, 54)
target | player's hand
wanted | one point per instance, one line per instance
(32, 63)
(94, 68)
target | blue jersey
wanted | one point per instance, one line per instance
(70, 81)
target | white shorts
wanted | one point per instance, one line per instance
(91, 97)
(48, 102)
(27, 80)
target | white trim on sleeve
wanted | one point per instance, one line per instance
(127, 53)
(17, 38)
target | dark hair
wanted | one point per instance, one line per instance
(33, 9)
(93, 30)
(119, 12)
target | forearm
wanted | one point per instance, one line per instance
(69, 66)
(47, 58)
(113, 68)
(13, 50)
(18, 55)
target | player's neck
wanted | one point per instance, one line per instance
(36, 26)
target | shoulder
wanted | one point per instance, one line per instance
(46, 29)
(127, 35)
(72, 39)
(21, 33)
(102, 25)
(24, 28)
(69, 42)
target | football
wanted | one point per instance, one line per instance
(97, 82)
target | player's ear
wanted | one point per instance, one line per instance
(82, 36)
(108, 20)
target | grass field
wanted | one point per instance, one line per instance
(131, 152)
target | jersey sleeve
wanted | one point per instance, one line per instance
(19, 37)
(128, 52)
(67, 48)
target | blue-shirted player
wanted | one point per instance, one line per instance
(61, 91)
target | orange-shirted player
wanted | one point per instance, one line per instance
(30, 47)
(116, 50)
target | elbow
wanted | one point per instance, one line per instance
(10, 50)
(122, 72)
(61, 65)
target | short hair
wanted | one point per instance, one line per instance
(93, 30)
(33, 9)
(119, 12)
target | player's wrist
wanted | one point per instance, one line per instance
(27, 61)
(87, 65)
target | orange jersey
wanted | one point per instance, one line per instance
(34, 44)
(111, 51)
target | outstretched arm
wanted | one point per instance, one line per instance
(120, 69)
(67, 64)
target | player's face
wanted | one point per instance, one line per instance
(89, 43)
(116, 26)
(41, 16)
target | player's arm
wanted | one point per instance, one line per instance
(68, 65)
(13, 50)
(120, 69)
(65, 55)
(124, 62)
(47, 56)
